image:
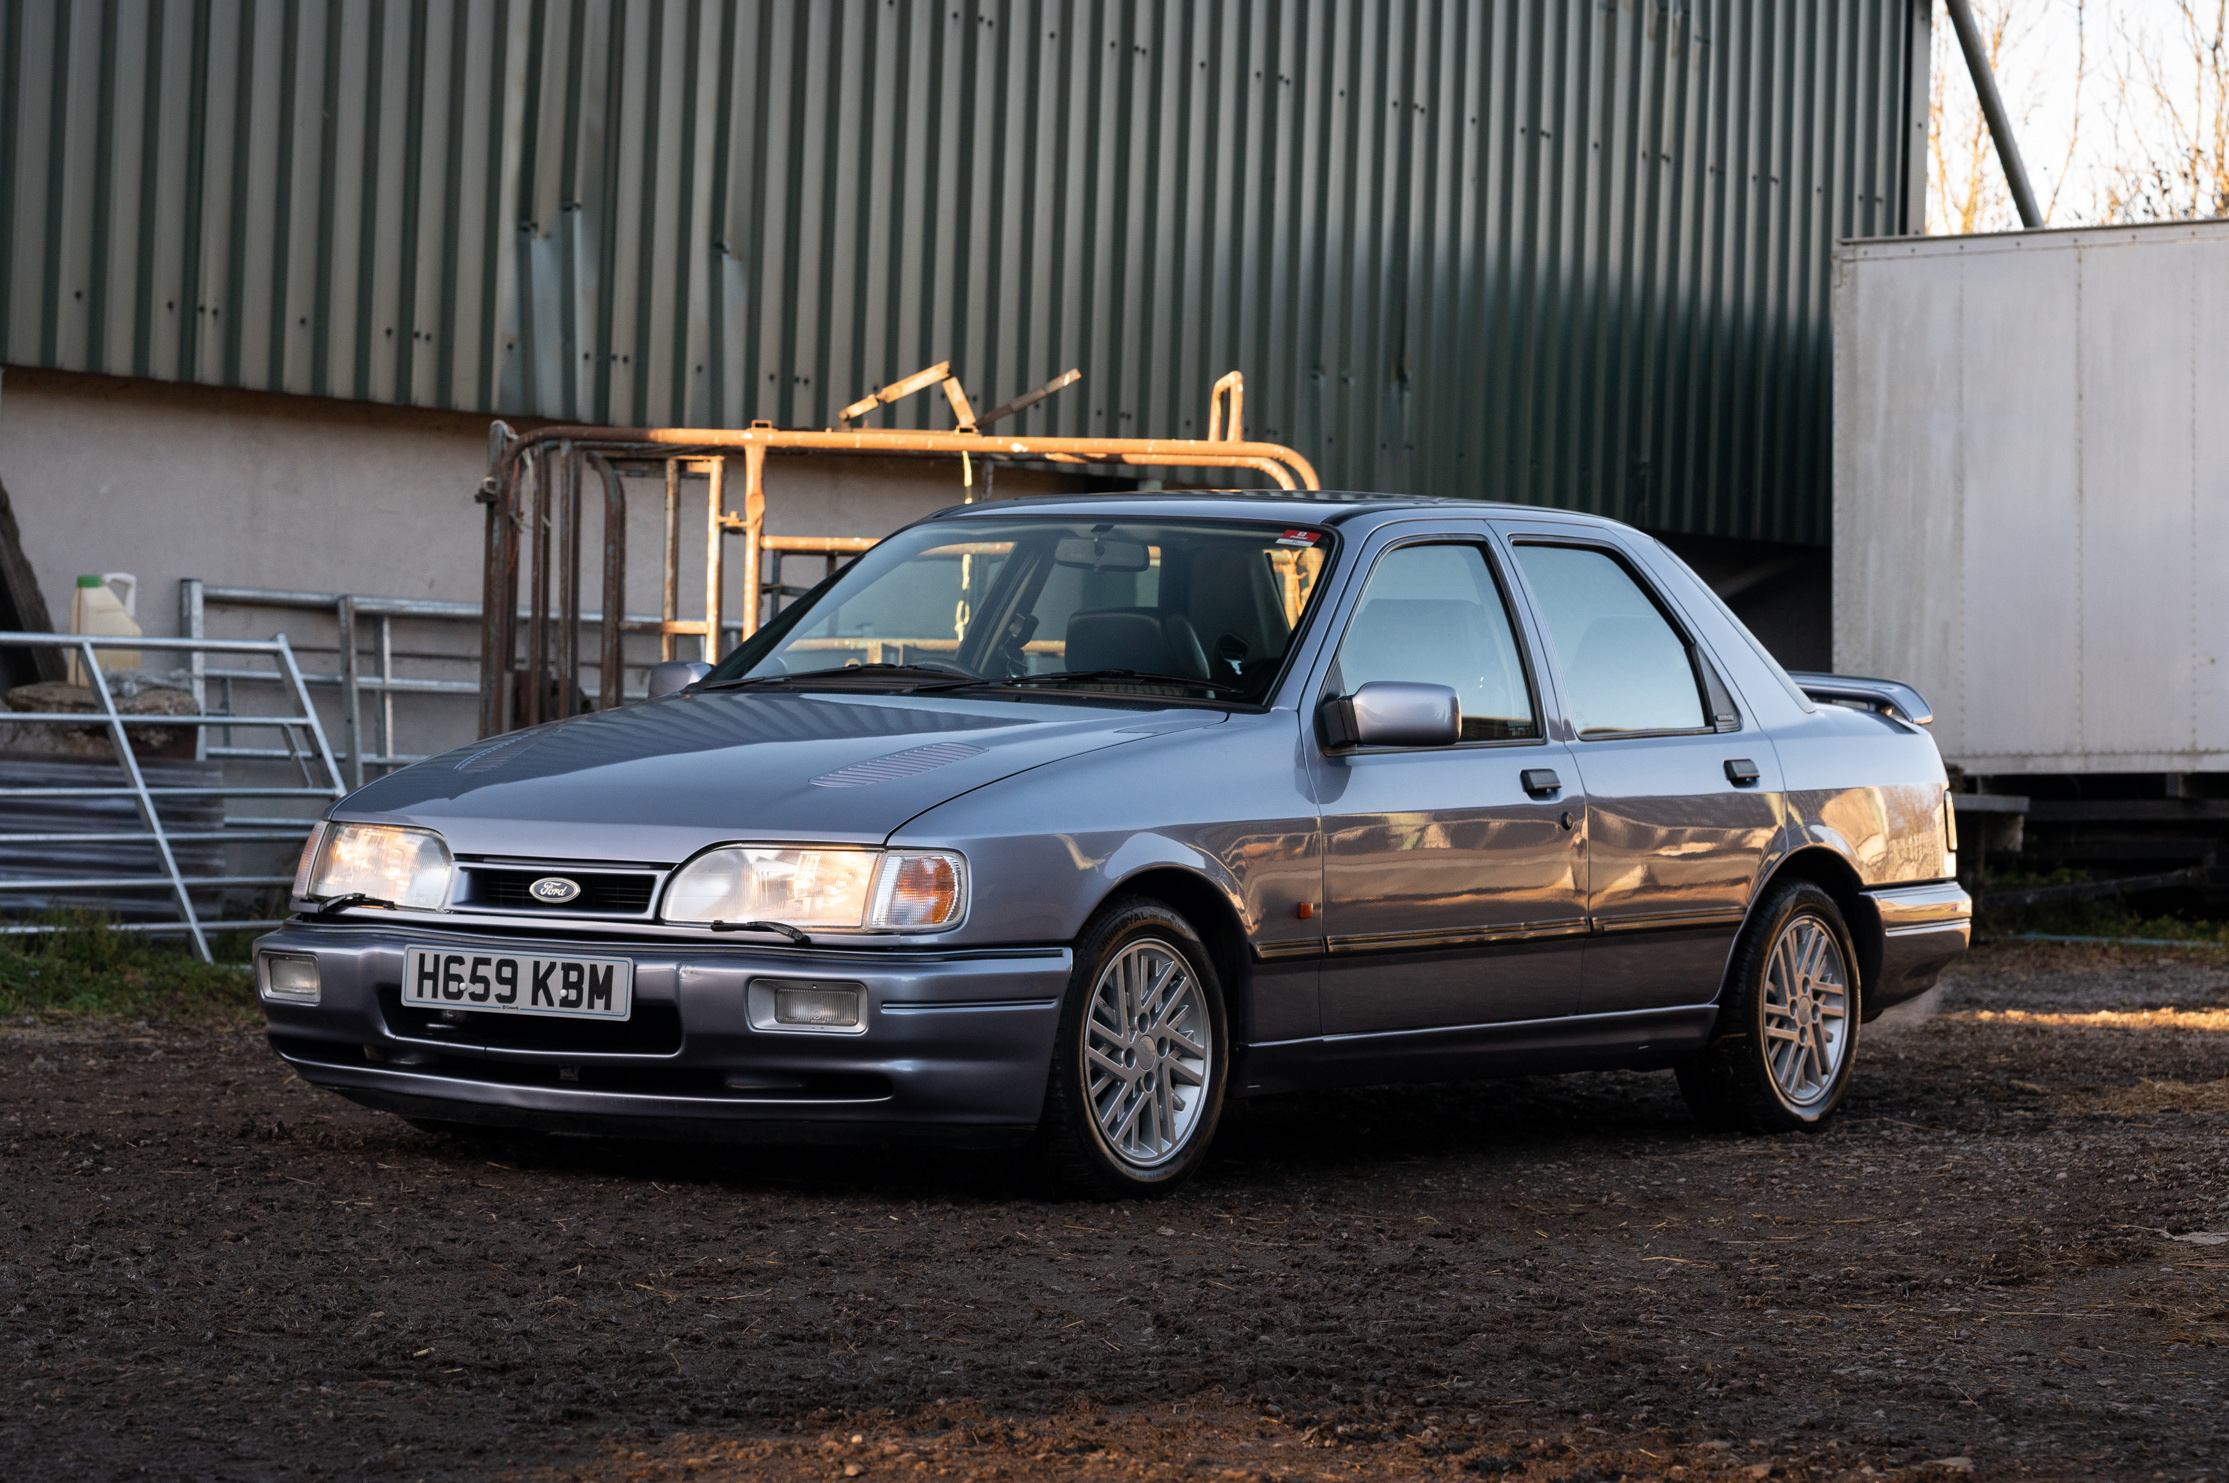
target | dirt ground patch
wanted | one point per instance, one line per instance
(1984, 1269)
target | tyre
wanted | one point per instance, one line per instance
(1780, 1055)
(1140, 1058)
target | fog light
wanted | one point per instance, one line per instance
(807, 1005)
(825, 1007)
(288, 976)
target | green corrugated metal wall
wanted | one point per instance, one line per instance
(1572, 252)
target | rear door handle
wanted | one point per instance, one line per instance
(1740, 771)
(1541, 782)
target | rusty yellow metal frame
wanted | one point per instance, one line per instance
(533, 490)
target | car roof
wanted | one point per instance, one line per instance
(1334, 507)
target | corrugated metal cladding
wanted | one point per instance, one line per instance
(1572, 252)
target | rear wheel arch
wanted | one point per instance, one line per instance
(1204, 904)
(1835, 876)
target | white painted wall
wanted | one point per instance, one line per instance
(257, 489)
(2031, 491)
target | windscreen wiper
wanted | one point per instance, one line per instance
(929, 678)
(333, 906)
(1128, 676)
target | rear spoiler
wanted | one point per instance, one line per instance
(1892, 697)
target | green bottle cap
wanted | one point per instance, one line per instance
(88, 581)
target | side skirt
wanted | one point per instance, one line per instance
(1639, 1040)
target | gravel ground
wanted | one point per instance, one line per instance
(219, 1272)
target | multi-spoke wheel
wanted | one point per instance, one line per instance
(1137, 1075)
(1806, 1010)
(1148, 1053)
(1779, 1057)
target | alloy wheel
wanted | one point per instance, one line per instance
(1148, 1054)
(1806, 1011)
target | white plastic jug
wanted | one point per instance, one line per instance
(95, 608)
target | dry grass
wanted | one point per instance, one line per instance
(2104, 1019)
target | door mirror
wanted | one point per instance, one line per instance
(1394, 713)
(676, 674)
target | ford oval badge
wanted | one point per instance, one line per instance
(554, 889)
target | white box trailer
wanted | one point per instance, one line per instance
(2031, 492)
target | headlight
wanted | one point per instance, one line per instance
(869, 890)
(409, 867)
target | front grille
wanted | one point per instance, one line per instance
(602, 893)
(651, 1030)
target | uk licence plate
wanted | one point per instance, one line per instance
(519, 983)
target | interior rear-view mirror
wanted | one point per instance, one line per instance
(1099, 554)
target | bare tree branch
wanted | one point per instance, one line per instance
(2074, 131)
(2170, 132)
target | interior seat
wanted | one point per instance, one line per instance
(1144, 639)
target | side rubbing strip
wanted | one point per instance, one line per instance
(1671, 921)
(1396, 942)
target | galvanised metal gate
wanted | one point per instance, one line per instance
(301, 744)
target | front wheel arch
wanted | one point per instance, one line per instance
(1208, 909)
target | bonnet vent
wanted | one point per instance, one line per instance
(897, 765)
(487, 759)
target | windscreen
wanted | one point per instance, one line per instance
(1165, 607)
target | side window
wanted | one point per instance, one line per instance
(1624, 667)
(1434, 614)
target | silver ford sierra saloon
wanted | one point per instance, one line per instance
(1062, 822)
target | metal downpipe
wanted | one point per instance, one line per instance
(1993, 109)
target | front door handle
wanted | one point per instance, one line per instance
(1740, 771)
(1541, 782)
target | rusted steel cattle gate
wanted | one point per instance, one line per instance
(535, 502)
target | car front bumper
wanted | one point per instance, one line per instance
(955, 1045)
